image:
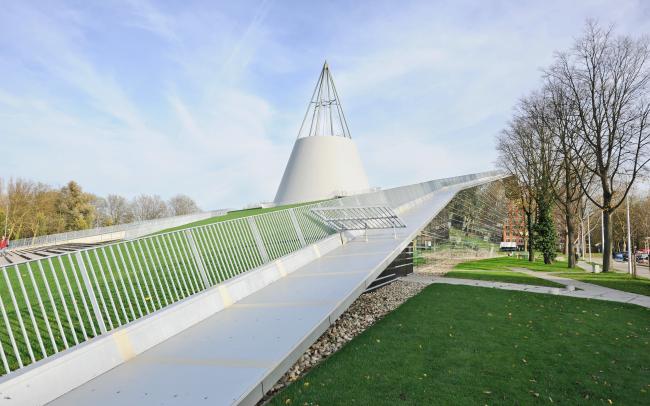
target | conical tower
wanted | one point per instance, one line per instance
(324, 161)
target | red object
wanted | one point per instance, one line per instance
(4, 243)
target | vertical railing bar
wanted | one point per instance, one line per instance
(176, 268)
(243, 244)
(158, 287)
(137, 280)
(214, 253)
(53, 303)
(10, 331)
(108, 291)
(265, 236)
(296, 227)
(173, 280)
(161, 272)
(83, 296)
(125, 271)
(221, 270)
(185, 262)
(236, 248)
(91, 293)
(74, 299)
(294, 233)
(230, 268)
(209, 265)
(259, 230)
(197, 257)
(117, 287)
(133, 251)
(238, 257)
(243, 238)
(217, 271)
(20, 317)
(281, 235)
(290, 241)
(258, 240)
(202, 243)
(273, 238)
(63, 301)
(99, 288)
(29, 307)
(251, 246)
(5, 363)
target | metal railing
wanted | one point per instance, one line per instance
(55, 303)
(131, 230)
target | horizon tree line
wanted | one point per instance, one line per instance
(582, 139)
(29, 208)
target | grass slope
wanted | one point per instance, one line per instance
(497, 269)
(501, 276)
(614, 280)
(235, 214)
(468, 345)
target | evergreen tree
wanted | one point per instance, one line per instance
(545, 238)
(75, 207)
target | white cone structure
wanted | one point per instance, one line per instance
(324, 161)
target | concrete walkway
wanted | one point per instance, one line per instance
(587, 290)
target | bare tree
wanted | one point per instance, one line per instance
(146, 207)
(562, 121)
(607, 79)
(181, 204)
(119, 209)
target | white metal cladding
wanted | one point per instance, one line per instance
(55, 303)
(129, 230)
(321, 167)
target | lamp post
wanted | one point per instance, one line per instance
(589, 236)
(629, 237)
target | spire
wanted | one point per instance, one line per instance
(324, 116)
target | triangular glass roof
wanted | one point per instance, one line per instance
(324, 116)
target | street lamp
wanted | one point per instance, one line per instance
(629, 237)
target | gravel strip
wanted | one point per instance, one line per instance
(363, 313)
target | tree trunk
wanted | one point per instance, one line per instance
(571, 259)
(529, 225)
(607, 244)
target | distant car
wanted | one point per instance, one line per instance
(641, 257)
(619, 256)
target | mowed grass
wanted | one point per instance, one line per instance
(505, 263)
(501, 276)
(498, 269)
(235, 214)
(51, 309)
(469, 345)
(614, 280)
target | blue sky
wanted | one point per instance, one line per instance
(205, 97)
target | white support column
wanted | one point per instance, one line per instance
(91, 293)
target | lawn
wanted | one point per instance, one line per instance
(501, 276)
(46, 308)
(234, 214)
(469, 345)
(497, 269)
(505, 263)
(614, 280)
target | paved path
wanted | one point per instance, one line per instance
(642, 270)
(587, 290)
